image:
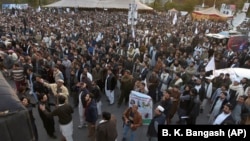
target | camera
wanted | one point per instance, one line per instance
(129, 122)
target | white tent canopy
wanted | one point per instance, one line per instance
(107, 4)
(212, 11)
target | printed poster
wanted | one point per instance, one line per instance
(15, 6)
(245, 7)
(132, 13)
(145, 105)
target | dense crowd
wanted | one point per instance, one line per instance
(88, 54)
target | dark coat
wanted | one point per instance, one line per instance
(106, 131)
(129, 65)
(96, 91)
(111, 82)
(194, 107)
(84, 92)
(166, 104)
(8, 62)
(223, 103)
(202, 92)
(37, 65)
(40, 88)
(144, 74)
(48, 75)
(32, 120)
(91, 112)
(78, 74)
(64, 113)
(48, 121)
(158, 119)
(185, 78)
(25, 67)
(228, 121)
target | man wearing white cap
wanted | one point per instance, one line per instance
(235, 91)
(57, 89)
(159, 119)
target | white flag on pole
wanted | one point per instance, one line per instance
(175, 19)
(203, 4)
(196, 30)
(210, 65)
(38, 9)
(133, 33)
(207, 31)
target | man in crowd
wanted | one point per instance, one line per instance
(225, 117)
(91, 115)
(106, 128)
(64, 112)
(127, 83)
(110, 85)
(57, 89)
(76, 41)
(158, 119)
(132, 120)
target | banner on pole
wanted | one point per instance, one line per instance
(132, 14)
(228, 9)
(145, 105)
(245, 7)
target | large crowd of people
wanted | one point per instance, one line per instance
(88, 54)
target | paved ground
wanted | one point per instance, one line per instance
(81, 134)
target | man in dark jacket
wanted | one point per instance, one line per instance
(193, 107)
(91, 115)
(225, 117)
(110, 85)
(64, 112)
(159, 119)
(106, 129)
(200, 88)
(48, 122)
(144, 71)
(166, 103)
(83, 91)
(217, 106)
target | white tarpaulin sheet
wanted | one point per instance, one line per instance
(234, 72)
